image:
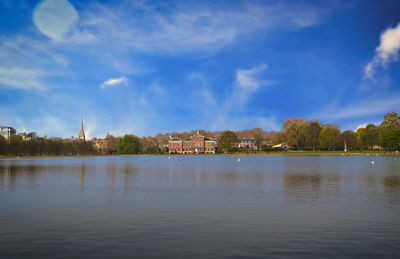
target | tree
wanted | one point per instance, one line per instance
(312, 132)
(259, 136)
(372, 135)
(153, 150)
(348, 140)
(129, 144)
(295, 131)
(390, 138)
(368, 137)
(16, 144)
(3, 145)
(390, 131)
(227, 141)
(328, 137)
(391, 120)
(111, 143)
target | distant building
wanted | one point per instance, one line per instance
(247, 144)
(100, 145)
(81, 132)
(175, 145)
(6, 131)
(193, 145)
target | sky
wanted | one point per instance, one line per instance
(144, 67)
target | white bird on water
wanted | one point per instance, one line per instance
(372, 162)
(239, 159)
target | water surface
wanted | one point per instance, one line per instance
(200, 206)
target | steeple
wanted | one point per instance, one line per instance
(82, 131)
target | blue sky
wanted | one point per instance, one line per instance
(144, 67)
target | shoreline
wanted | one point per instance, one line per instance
(292, 153)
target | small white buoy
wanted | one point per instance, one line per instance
(372, 162)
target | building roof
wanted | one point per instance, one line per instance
(198, 135)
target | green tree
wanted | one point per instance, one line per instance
(153, 150)
(390, 138)
(312, 132)
(16, 144)
(227, 141)
(328, 137)
(362, 138)
(368, 137)
(372, 137)
(391, 120)
(129, 144)
(3, 145)
(348, 138)
(390, 131)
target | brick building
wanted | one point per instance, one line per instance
(193, 145)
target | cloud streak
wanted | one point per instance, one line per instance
(385, 53)
(362, 109)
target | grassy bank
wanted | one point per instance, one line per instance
(286, 153)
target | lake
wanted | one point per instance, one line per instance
(200, 206)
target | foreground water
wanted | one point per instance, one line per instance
(200, 206)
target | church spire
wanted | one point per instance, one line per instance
(82, 131)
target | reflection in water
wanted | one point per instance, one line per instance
(112, 183)
(82, 176)
(128, 172)
(391, 182)
(199, 206)
(305, 187)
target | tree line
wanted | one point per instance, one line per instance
(296, 133)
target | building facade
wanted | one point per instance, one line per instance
(175, 146)
(193, 145)
(247, 144)
(6, 131)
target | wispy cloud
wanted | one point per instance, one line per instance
(24, 79)
(29, 64)
(181, 27)
(248, 81)
(112, 82)
(361, 109)
(385, 53)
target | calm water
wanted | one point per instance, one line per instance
(200, 206)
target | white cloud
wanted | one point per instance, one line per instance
(386, 52)
(55, 18)
(112, 82)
